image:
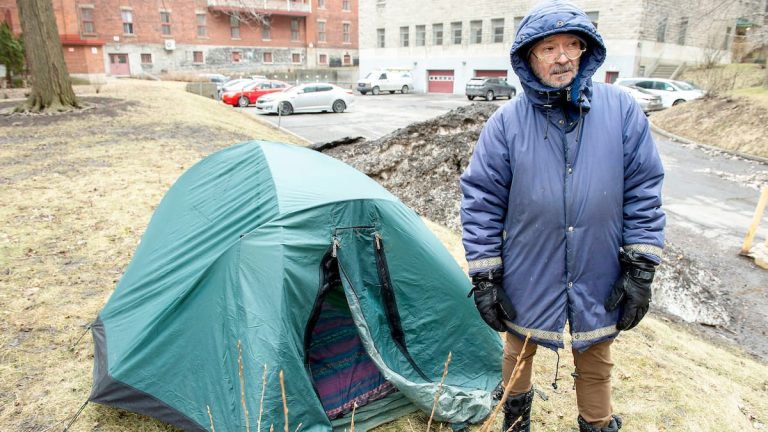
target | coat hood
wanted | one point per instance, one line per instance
(545, 19)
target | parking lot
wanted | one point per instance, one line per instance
(370, 117)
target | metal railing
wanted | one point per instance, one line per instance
(267, 5)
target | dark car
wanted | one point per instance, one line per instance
(489, 88)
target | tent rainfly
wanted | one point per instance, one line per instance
(268, 257)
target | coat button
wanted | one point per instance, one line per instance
(570, 170)
(560, 121)
(570, 284)
(570, 229)
(576, 336)
(560, 23)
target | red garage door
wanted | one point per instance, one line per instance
(440, 81)
(491, 73)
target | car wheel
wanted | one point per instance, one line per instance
(678, 102)
(339, 106)
(375, 90)
(405, 89)
(470, 97)
(242, 102)
(363, 93)
(489, 96)
(285, 108)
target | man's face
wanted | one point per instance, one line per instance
(551, 61)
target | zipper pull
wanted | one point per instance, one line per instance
(335, 247)
(568, 93)
(377, 237)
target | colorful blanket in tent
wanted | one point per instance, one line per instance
(344, 374)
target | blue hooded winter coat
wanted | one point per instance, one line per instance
(559, 181)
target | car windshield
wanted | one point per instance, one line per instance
(370, 74)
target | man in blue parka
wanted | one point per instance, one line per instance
(561, 212)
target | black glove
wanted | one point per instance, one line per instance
(491, 300)
(632, 290)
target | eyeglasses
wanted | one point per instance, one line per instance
(550, 53)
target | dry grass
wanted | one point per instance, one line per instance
(77, 193)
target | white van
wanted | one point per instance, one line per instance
(390, 80)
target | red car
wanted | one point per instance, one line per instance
(250, 93)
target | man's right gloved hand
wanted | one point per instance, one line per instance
(491, 300)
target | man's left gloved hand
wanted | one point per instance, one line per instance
(632, 289)
(491, 300)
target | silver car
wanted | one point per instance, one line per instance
(648, 101)
(314, 97)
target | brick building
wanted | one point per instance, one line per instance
(446, 43)
(131, 37)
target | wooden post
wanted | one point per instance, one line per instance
(755, 222)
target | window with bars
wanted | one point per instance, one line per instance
(266, 29)
(202, 30)
(197, 57)
(456, 33)
(236, 56)
(321, 4)
(165, 23)
(380, 38)
(497, 27)
(683, 30)
(294, 29)
(323, 59)
(321, 31)
(661, 30)
(86, 21)
(346, 31)
(146, 58)
(347, 59)
(267, 57)
(296, 58)
(345, 5)
(405, 35)
(421, 35)
(234, 26)
(437, 34)
(476, 32)
(127, 16)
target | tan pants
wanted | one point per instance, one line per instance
(593, 383)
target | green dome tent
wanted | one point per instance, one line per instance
(270, 257)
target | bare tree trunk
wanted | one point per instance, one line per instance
(51, 86)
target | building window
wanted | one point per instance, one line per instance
(346, 30)
(405, 35)
(321, 4)
(146, 59)
(234, 26)
(294, 29)
(437, 34)
(267, 57)
(476, 32)
(661, 30)
(321, 31)
(518, 21)
(594, 17)
(323, 59)
(127, 16)
(86, 21)
(202, 31)
(296, 58)
(266, 28)
(197, 57)
(683, 30)
(497, 26)
(421, 35)
(236, 56)
(347, 59)
(456, 33)
(345, 5)
(380, 38)
(165, 23)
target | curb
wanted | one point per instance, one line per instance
(678, 138)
